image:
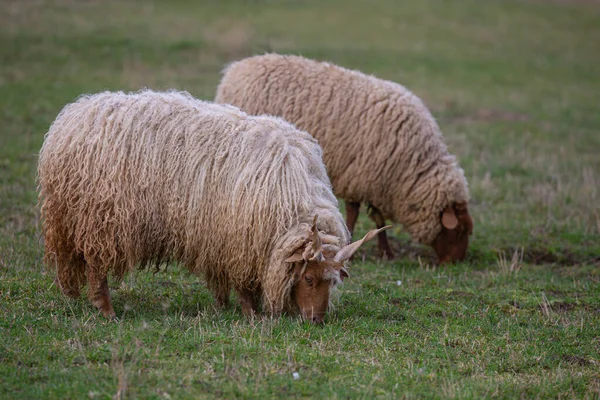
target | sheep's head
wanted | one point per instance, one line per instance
(452, 242)
(318, 268)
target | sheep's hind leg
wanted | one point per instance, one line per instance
(352, 210)
(61, 255)
(249, 301)
(384, 245)
(99, 294)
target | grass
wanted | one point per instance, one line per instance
(515, 87)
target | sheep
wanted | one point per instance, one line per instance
(145, 178)
(381, 145)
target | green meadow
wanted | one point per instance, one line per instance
(515, 87)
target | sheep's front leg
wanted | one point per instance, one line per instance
(99, 295)
(352, 210)
(249, 301)
(384, 245)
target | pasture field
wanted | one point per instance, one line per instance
(515, 87)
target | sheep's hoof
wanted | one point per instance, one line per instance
(109, 314)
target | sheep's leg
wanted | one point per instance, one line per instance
(352, 209)
(384, 246)
(61, 254)
(249, 302)
(219, 284)
(99, 294)
(70, 275)
(222, 296)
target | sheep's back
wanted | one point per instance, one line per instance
(369, 128)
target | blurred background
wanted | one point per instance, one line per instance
(515, 87)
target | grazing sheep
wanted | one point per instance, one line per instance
(139, 179)
(380, 144)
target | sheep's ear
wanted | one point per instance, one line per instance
(297, 256)
(449, 219)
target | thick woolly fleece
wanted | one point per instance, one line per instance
(380, 143)
(145, 178)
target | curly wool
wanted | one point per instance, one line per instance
(380, 143)
(146, 178)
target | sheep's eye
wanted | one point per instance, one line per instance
(308, 280)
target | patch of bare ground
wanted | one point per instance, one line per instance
(564, 307)
(576, 360)
(563, 257)
(405, 249)
(559, 307)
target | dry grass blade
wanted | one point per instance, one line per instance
(545, 305)
(512, 266)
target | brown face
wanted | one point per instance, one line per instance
(317, 269)
(452, 242)
(312, 288)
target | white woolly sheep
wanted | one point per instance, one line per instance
(380, 144)
(139, 179)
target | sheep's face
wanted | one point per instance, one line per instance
(317, 269)
(452, 242)
(313, 285)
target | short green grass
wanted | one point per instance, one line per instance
(515, 86)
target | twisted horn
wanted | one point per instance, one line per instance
(346, 252)
(317, 245)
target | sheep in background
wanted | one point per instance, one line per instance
(380, 144)
(139, 179)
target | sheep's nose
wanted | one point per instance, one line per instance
(317, 320)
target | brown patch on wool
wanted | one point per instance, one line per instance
(380, 143)
(141, 179)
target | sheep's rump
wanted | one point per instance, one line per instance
(380, 143)
(128, 179)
